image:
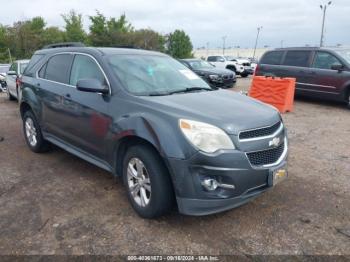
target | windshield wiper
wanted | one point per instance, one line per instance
(190, 89)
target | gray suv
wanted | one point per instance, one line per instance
(319, 72)
(147, 118)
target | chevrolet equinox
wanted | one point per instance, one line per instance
(147, 118)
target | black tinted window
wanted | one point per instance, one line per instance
(272, 58)
(84, 67)
(297, 58)
(212, 58)
(58, 67)
(325, 60)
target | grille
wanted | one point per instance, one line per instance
(266, 157)
(265, 131)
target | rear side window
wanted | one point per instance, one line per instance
(58, 68)
(212, 58)
(325, 60)
(297, 58)
(33, 61)
(84, 67)
(272, 58)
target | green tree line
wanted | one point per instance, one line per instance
(23, 38)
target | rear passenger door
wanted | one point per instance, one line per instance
(270, 64)
(12, 79)
(53, 80)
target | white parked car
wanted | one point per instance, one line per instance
(229, 62)
(12, 78)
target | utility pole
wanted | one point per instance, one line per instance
(223, 44)
(207, 49)
(256, 40)
(324, 8)
(8, 50)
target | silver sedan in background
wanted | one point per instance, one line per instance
(13, 77)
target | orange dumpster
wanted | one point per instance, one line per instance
(278, 92)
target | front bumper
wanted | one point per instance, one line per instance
(227, 167)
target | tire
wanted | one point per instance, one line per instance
(244, 75)
(348, 99)
(32, 134)
(144, 171)
(9, 96)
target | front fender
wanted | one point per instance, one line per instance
(164, 134)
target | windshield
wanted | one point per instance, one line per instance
(152, 74)
(23, 67)
(344, 53)
(200, 64)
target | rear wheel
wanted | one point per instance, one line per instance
(9, 96)
(147, 181)
(32, 134)
(348, 98)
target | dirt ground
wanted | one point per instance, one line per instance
(55, 203)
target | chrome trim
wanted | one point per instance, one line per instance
(307, 84)
(318, 91)
(261, 137)
(281, 158)
(74, 53)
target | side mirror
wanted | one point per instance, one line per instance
(12, 73)
(337, 67)
(92, 86)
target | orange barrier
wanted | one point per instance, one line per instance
(278, 92)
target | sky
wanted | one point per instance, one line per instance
(284, 22)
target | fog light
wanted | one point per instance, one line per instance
(210, 184)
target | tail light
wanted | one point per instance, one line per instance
(19, 81)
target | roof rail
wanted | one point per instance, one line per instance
(64, 44)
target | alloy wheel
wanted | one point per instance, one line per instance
(31, 132)
(139, 182)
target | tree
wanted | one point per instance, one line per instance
(74, 27)
(148, 39)
(52, 35)
(179, 44)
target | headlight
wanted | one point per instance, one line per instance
(214, 77)
(205, 137)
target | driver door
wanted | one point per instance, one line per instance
(324, 79)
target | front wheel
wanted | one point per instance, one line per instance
(32, 134)
(147, 181)
(244, 75)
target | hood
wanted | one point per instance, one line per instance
(214, 70)
(231, 111)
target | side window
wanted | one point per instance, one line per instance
(33, 61)
(211, 58)
(325, 60)
(297, 58)
(84, 67)
(41, 73)
(14, 67)
(272, 58)
(57, 68)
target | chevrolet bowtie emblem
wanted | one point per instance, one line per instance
(275, 141)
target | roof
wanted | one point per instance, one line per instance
(101, 50)
(191, 59)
